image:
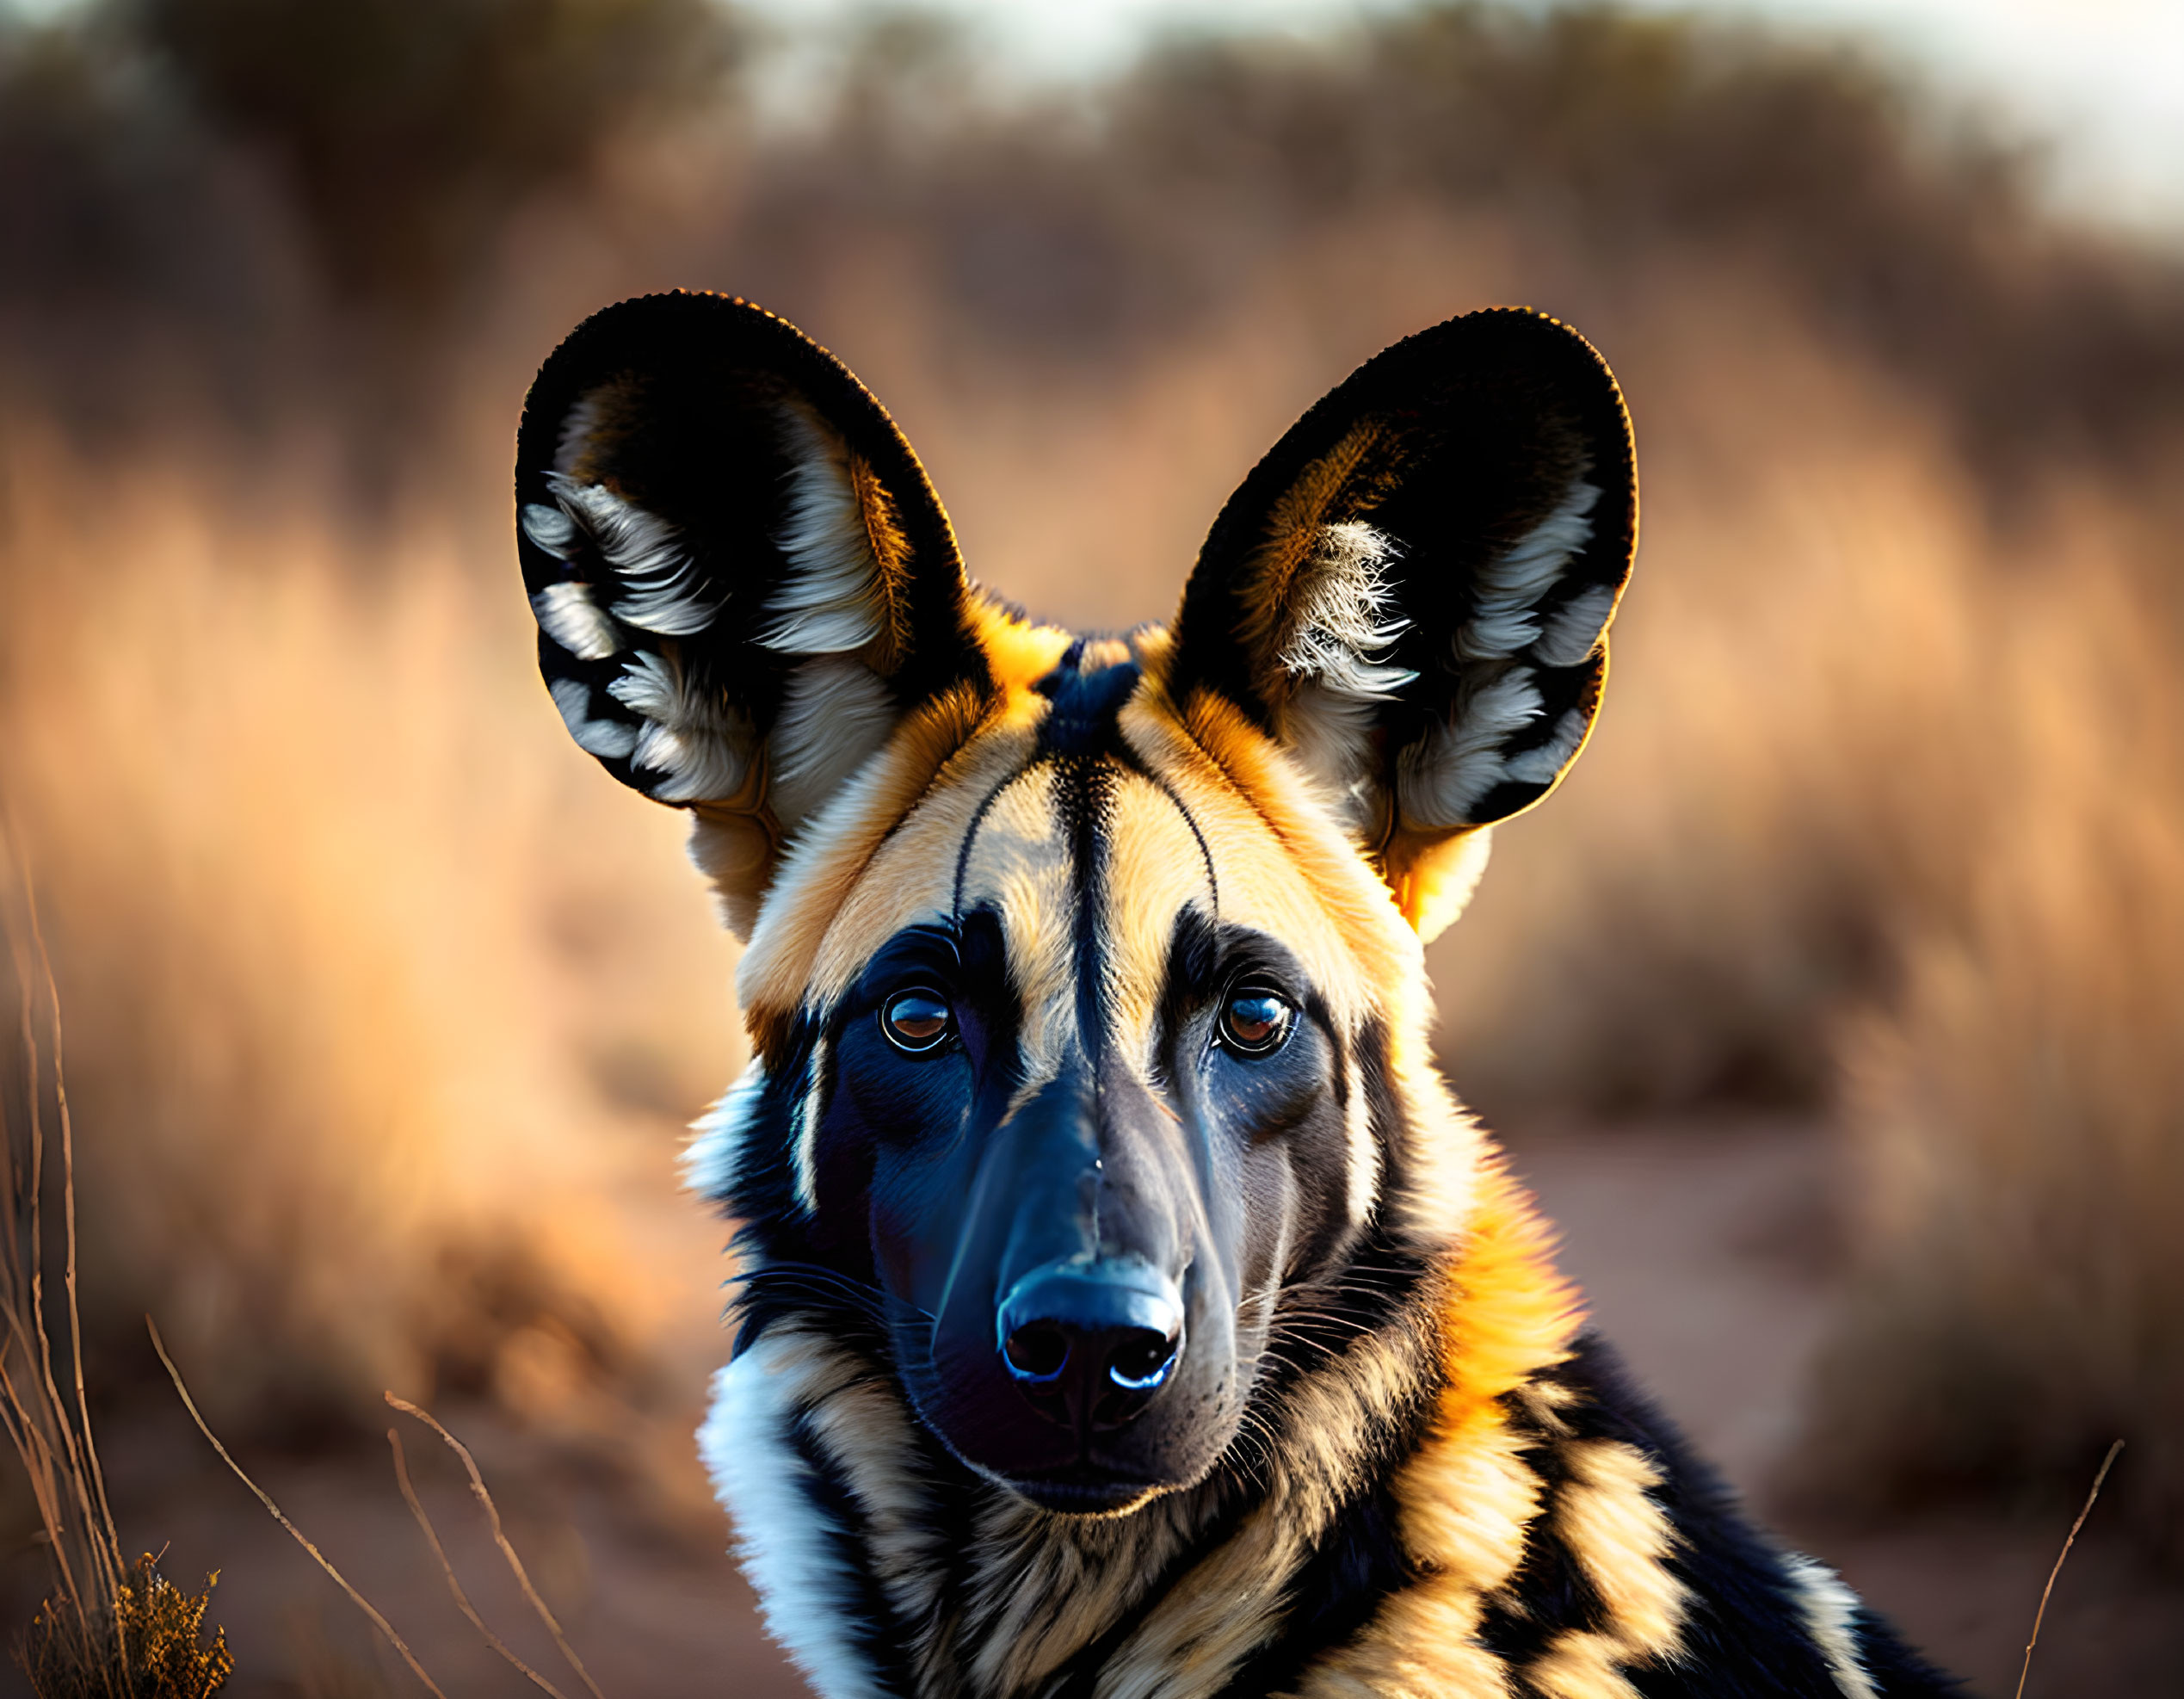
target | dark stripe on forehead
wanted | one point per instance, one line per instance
(1085, 794)
(1088, 795)
(1086, 790)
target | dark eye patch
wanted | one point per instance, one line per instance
(1251, 986)
(953, 972)
(929, 956)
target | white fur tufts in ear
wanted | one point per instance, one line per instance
(1573, 632)
(1440, 776)
(607, 738)
(567, 613)
(1540, 765)
(1506, 617)
(700, 745)
(1514, 641)
(836, 713)
(657, 579)
(829, 603)
(1340, 617)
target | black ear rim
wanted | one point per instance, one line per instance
(1505, 338)
(649, 332)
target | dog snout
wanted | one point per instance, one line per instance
(1090, 1346)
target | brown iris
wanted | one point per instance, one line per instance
(916, 1021)
(1256, 1020)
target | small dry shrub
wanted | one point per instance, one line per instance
(152, 1646)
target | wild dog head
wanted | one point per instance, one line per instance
(1081, 974)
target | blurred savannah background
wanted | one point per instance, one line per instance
(1835, 1006)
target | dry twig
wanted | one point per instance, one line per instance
(2099, 1475)
(447, 1569)
(500, 1539)
(318, 1557)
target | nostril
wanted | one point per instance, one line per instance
(1090, 1346)
(1036, 1352)
(1141, 1359)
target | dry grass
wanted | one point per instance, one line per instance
(2019, 1112)
(108, 1629)
(350, 951)
(153, 1618)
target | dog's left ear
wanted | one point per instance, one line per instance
(744, 582)
(1412, 591)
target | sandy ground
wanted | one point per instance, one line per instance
(1707, 1253)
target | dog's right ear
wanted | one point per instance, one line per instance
(1411, 593)
(742, 577)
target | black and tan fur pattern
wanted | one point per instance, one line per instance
(1390, 1462)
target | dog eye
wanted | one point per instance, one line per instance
(916, 1021)
(1255, 1021)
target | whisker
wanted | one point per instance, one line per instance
(817, 1280)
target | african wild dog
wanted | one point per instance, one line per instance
(1125, 1308)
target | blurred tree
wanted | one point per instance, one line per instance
(128, 243)
(410, 130)
(1901, 223)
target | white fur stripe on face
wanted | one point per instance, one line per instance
(1830, 1609)
(713, 1158)
(804, 1589)
(1362, 1164)
(804, 1132)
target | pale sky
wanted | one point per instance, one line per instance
(2103, 80)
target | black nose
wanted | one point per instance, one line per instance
(1088, 1344)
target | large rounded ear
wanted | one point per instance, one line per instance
(1412, 591)
(742, 579)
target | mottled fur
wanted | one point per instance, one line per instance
(1437, 1482)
